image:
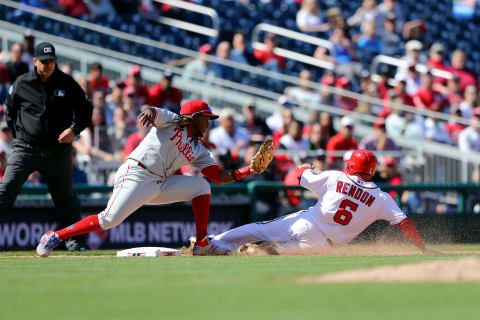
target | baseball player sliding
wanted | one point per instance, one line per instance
(148, 175)
(348, 203)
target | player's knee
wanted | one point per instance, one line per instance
(201, 187)
(108, 221)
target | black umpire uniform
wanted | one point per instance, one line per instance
(41, 107)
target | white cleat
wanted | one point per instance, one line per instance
(48, 242)
(210, 249)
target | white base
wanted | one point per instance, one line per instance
(148, 252)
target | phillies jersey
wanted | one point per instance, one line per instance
(347, 204)
(167, 148)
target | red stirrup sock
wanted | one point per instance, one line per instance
(201, 210)
(89, 224)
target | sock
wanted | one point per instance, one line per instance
(89, 224)
(201, 210)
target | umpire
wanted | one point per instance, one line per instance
(45, 110)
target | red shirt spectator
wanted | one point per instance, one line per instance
(343, 140)
(345, 103)
(74, 7)
(97, 79)
(459, 62)
(266, 55)
(426, 97)
(164, 95)
(135, 81)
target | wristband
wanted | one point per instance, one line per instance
(241, 173)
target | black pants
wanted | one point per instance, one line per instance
(55, 166)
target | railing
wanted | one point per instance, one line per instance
(292, 54)
(400, 63)
(211, 32)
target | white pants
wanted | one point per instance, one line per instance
(135, 186)
(294, 230)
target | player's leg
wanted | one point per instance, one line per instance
(21, 163)
(185, 188)
(293, 230)
(58, 172)
(133, 187)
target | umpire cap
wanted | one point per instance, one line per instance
(45, 51)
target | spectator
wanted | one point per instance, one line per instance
(94, 141)
(267, 57)
(99, 101)
(345, 103)
(228, 136)
(368, 44)
(240, 52)
(452, 126)
(412, 79)
(79, 175)
(401, 90)
(119, 132)
(326, 122)
(222, 52)
(275, 121)
(342, 141)
(435, 130)
(453, 94)
(471, 100)
(413, 57)
(313, 118)
(97, 79)
(383, 10)
(74, 8)
(16, 67)
(28, 49)
(131, 106)
(378, 140)
(66, 68)
(469, 138)
(100, 8)
(437, 56)
(6, 138)
(389, 172)
(343, 55)
(303, 95)
(414, 127)
(287, 118)
(309, 18)
(316, 139)
(365, 14)
(395, 122)
(256, 127)
(135, 81)
(326, 94)
(458, 67)
(115, 99)
(4, 82)
(86, 87)
(199, 68)
(426, 97)
(391, 41)
(135, 138)
(165, 95)
(293, 141)
(414, 30)
(335, 19)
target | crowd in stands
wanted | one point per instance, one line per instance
(373, 29)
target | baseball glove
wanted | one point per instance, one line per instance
(264, 156)
(185, 120)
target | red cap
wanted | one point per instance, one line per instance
(206, 48)
(389, 161)
(136, 69)
(342, 81)
(379, 123)
(197, 107)
(328, 80)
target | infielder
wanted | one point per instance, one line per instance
(148, 175)
(348, 203)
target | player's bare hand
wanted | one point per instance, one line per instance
(147, 117)
(66, 136)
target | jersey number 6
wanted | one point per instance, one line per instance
(343, 216)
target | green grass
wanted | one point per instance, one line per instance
(234, 287)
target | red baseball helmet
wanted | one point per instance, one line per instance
(197, 107)
(362, 161)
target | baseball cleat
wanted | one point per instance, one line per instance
(48, 242)
(210, 249)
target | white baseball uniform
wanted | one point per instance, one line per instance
(148, 174)
(346, 206)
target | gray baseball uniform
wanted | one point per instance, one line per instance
(148, 174)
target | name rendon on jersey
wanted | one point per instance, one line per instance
(355, 192)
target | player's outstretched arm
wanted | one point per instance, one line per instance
(219, 176)
(411, 233)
